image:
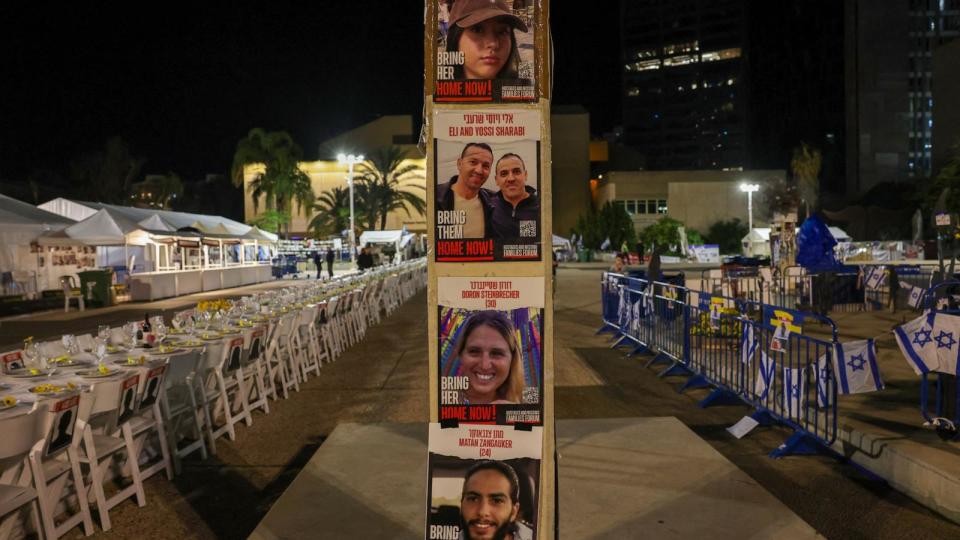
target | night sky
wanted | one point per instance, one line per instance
(182, 86)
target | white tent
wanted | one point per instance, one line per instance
(561, 243)
(757, 242)
(156, 223)
(20, 224)
(380, 237)
(104, 228)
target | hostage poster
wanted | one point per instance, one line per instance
(487, 177)
(485, 51)
(490, 349)
(484, 482)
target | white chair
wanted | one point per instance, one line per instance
(55, 463)
(70, 291)
(148, 420)
(16, 483)
(305, 342)
(182, 414)
(107, 434)
(214, 395)
(254, 371)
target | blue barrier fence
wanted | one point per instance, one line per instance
(726, 344)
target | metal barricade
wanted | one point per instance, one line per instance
(723, 342)
(945, 402)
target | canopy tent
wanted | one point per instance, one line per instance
(757, 242)
(561, 243)
(156, 223)
(176, 220)
(104, 228)
(380, 237)
(20, 224)
(256, 233)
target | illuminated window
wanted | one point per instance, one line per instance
(644, 65)
(650, 53)
(633, 91)
(681, 60)
(723, 54)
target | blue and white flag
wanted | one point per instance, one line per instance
(794, 392)
(605, 244)
(855, 367)
(824, 375)
(748, 343)
(946, 336)
(635, 319)
(917, 345)
(914, 295)
(765, 376)
(648, 301)
(873, 277)
(622, 307)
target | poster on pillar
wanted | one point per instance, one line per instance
(487, 176)
(485, 51)
(490, 349)
(484, 482)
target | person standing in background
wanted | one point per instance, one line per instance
(318, 263)
(330, 261)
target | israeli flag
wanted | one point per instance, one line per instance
(856, 368)
(917, 345)
(824, 374)
(635, 319)
(873, 277)
(648, 304)
(748, 343)
(794, 392)
(914, 295)
(622, 306)
(946, 338)
(765, 377)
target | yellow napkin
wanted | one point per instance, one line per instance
(34, 371)
(130, 360)
(8, 401)
(104, 369)
(62, 358)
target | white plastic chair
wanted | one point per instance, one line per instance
(148, 419)
(180, 409)
(114, 403)
(16, 485)
(55, 463)
(70, 291)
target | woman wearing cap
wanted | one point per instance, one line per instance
(483, 31)
(490, 359)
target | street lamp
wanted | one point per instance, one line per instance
(750, 189)
(351, 160)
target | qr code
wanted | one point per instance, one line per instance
(528, 229)
(525, 70)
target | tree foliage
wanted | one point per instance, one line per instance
(107, 174)
(947, 178)
(779, 196)
(805, 166)
(270, 220)
(157, 191)
(387, 184)
(727, 234)
(280, 182)
(331, 212)
(663, 233)
(611, 222)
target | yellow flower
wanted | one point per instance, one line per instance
(104, 369)
(8, 401)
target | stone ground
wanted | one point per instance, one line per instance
(384, 380)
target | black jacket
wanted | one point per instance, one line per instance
(505, 218)
(445, 201)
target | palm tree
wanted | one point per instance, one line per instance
(385, 181)
(332, 210)
(805, 164)
(281, 182)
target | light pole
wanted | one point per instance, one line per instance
(750, 189)
(351, 160)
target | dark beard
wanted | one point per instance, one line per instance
(502, 531)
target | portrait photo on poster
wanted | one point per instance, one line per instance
(483, 482)
(487, 176)
(490, 350)
(485, 51)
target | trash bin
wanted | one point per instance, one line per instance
(99, 292)
(584, 255)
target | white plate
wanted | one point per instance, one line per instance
(6, 407)
(95, 374)
(26, 375)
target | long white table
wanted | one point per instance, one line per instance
(167, 284)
